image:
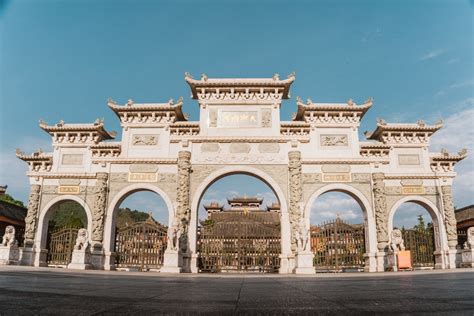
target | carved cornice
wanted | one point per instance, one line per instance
(295, 128)
(37, 161)
(354, 161)
(374, 150)
(418, 133)
(106, 150)
(420, 176)
(184, 129)
(63, 175)
(141, 113)
(160, 161)
(77, 133)
(207, 139)
(444, 161)
(329, 114)
(226, 89)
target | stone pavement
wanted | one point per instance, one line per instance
(41, 291)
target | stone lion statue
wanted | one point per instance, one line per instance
(82, 240)
(397, 240)
(9, 236)
(469, 244)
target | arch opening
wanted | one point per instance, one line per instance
(338, 230)
(238, 225)
(61, 224)
(420, 232)
(138, 234)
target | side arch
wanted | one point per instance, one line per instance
(441, 239)
(45, 215)
(118, 198)
(251, 171)
(365, 205)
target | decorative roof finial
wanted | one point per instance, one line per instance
(381, 121)
(421, 123)
(292, 75)
(276, 77)
(42, 123)
(188, 75)
(19, 152)
(369, 100)
(203, 77)
(60, 123)
(111, 101)
(439, 122)
(444, 152)
(298, 99)
(309, 101)
(180, 99)
(129, 102)
(350, 102)
(170, 101)
(98, 122)
(463, 152)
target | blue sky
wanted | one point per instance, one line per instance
(63, 59)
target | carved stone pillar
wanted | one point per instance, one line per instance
(380, 205)
(183, 191)
(100, 205)
(31, 220)
(296, 193)
(449, 217)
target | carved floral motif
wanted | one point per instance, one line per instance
(100, 205)
(380, 204)
(296, 192)
(183, 191)
(449, 218)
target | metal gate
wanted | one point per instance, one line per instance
(338, 246)
(141, 246)
(420, 242)
(61, 243)
(242, 242)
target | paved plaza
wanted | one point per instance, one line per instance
(40, 291)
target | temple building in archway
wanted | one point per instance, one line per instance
(239, 131)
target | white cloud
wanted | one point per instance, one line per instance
(333, 204)
(457, 133)
(453, 60)
(433, 54)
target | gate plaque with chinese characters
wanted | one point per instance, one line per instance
(337, 177)
(418, 189)
(68, 189)
(142, 177)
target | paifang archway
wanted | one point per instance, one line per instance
(240, 131)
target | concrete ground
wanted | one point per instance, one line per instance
(41, 291)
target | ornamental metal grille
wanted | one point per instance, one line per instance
(61, 245)
(421, 244)
(141, 246)
(338, 246)
(239, 241)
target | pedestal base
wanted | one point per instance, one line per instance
(194, 263)
(9, 255)
(381, 261)
(392, 261)
(451, 254)
(41, 257)
(81, 260)
(467, 256)
(27, 256)
(304, 263)
(370, 262)
(172, 262)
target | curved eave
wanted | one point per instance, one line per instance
(28, 158)
(240, 83)
(381, 128)
(450, 158)
(328, 107)
(149, 107)
(78, 128)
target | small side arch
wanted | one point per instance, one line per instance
(441, 241)
(118, 198)
(45, 215)
(364, 203)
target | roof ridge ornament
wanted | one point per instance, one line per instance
(291, 75)
(111, 101)
(204, 77)
(129, 102)
(276, 77)
(350, 102)
(187, 75)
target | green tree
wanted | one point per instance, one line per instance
(8, 198)
(421, 224)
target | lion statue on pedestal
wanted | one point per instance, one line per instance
(9, 236)
(397, 242)
(82, 240)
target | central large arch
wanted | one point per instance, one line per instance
(246, 170)
(369, 216)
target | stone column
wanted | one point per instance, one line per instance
(98, 219)
(296, 193)
(31, 220)
(173, 258)
(27, 254)
(449, 217)
(450, 224)
(380, 207)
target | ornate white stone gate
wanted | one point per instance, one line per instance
(240, 131)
